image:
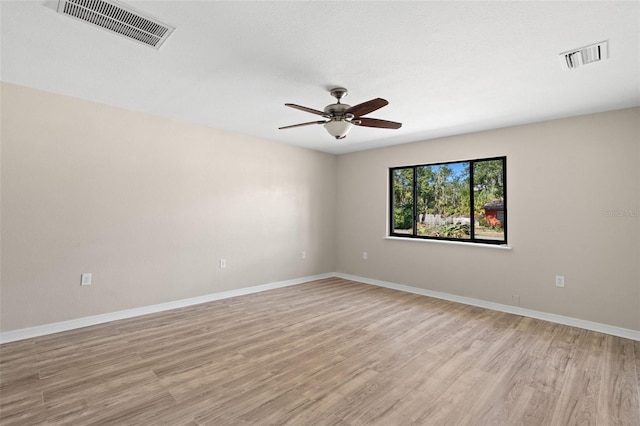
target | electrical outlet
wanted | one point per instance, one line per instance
(515, 300)
(223, 263)
(365, 255)
(304, 254)
(85, 279)
(559, 281)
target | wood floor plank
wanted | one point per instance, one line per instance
(637, 355)
(578, 401)
(618, 398)
(329, 352)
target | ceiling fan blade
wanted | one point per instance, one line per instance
(302, 124)
(367, 107)
(302, 108)
(374, 122)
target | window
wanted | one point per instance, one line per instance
(458, 201)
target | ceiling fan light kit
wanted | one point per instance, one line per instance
(338, 128)
(340, 118)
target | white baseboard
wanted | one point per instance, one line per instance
(41, 330)
(559, 319)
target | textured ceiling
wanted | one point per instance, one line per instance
(445, 67)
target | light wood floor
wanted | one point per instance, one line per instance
(331, 352)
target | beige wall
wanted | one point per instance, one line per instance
(148, 206)
(562, 178)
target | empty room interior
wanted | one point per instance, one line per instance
(319, 213)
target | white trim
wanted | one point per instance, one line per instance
(458, 243)
(559, 319)
(41, 330)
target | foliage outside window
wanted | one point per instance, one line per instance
(459, 201)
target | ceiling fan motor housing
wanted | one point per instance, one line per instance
(336, 110)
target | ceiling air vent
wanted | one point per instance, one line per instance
(118, 18)
(585, 55)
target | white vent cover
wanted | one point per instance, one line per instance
(585, 55)
(119, 19)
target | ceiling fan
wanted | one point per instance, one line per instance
(340, 118)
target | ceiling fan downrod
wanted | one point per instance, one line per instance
(339, 93)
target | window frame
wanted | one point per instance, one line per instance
(472, 239)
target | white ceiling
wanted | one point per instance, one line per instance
(445, 67)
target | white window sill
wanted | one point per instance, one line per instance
(458, 243)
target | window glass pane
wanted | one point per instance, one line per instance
(402, 185)
(442, 198)
(488, 193)
(464, 200)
